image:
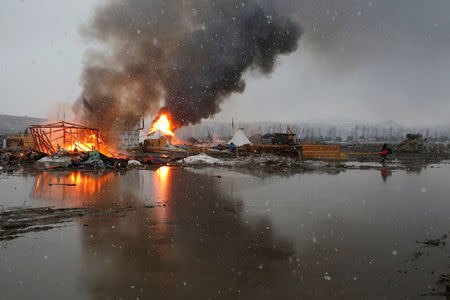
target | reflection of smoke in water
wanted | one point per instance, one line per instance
(194, 247)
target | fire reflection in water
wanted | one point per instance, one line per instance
(81, 188)
(54, 186)
(161, 183)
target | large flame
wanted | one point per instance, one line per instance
(163, 125)
(88, 145)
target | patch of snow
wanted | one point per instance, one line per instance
(202, 158)
(133, 162)
(53, 161)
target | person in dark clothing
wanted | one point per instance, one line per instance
(385, 150)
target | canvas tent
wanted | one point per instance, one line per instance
(239, 139)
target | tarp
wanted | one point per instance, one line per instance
(240, 139)
(94, 155)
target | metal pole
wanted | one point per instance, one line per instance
(64, 135)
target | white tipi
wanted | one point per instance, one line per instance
(239, 139)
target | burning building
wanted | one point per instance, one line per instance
(161, 133)
(157, 140)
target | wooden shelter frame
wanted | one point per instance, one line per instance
(50, 137)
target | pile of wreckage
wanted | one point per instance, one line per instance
(83, 160)
(416, 143)
(20, 157)
(63, 159)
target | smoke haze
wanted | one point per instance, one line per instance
(188, 55)
(369, 60)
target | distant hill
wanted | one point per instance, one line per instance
(10, 123)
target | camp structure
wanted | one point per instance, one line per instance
(287, 138)
(157, 140)
(239, 139)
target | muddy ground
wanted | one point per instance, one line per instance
(16, 222)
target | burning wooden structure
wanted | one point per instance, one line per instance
(160, 134)
(157, 140)
(51, 138)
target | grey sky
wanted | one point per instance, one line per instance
(362, 60)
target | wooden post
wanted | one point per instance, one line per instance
(98, 148)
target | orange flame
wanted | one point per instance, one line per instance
(163, 125)
(88, 145)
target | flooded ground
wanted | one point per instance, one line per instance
(347, 234)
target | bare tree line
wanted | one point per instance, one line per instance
(303, 130)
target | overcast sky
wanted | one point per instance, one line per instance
(358, 60)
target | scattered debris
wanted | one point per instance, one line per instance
(268, 160)
(434, 242)
(417, 255)
(444, 278)
(150, 160)
(93, 164)
(446, 293)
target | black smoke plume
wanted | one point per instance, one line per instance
(187, 56)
